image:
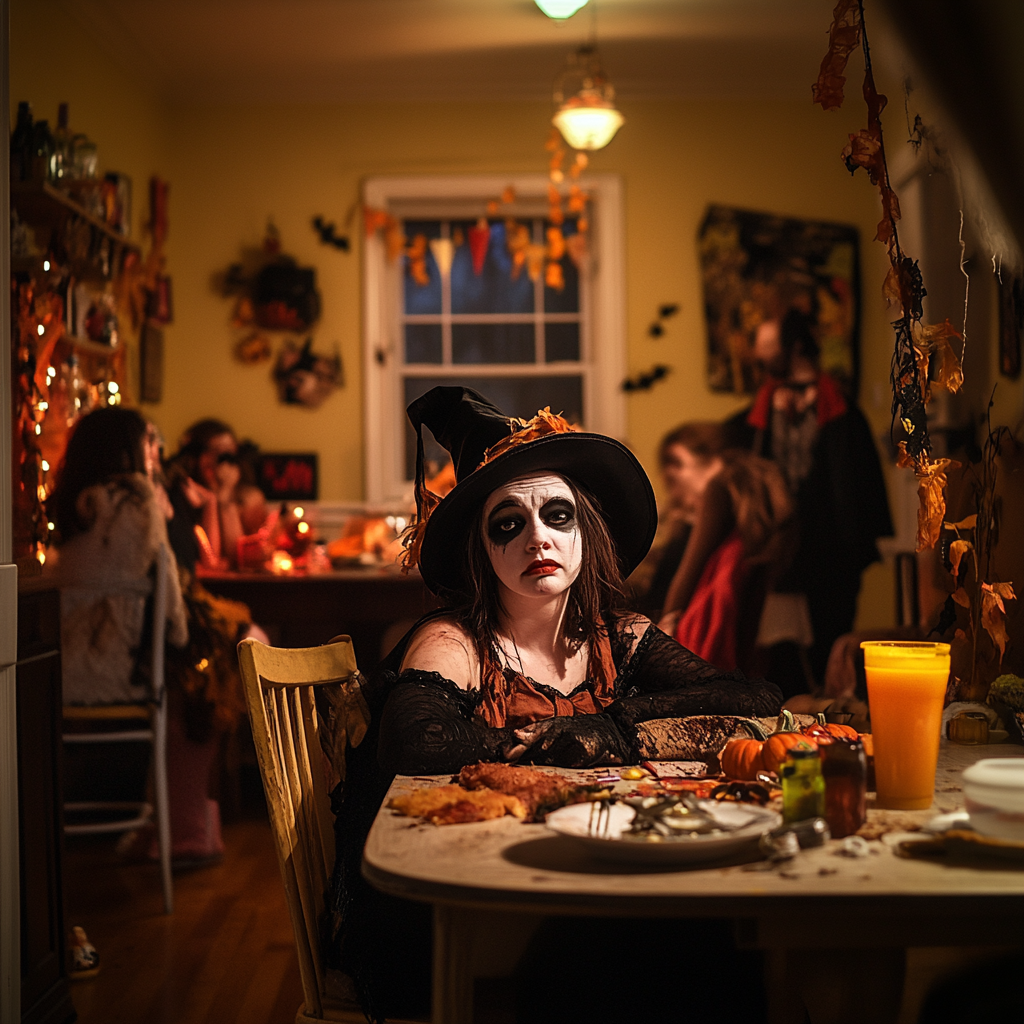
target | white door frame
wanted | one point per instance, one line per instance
(10, 879)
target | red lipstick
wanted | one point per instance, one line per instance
(542, 568)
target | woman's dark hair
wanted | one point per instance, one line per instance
(105, 444)
(705, 439)
(195, 441)
(594, 596)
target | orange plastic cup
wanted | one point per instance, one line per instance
(906, 693)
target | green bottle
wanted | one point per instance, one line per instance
(803, 786)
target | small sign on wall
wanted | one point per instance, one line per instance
(152, 363)
(289, 476)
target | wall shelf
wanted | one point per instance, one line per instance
(41, 203)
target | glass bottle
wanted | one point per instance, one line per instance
(803, 787)
(42, 150)
(61, 161)
(21, 144)
(75, 389)
(845, 770)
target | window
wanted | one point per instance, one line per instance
(523, 344)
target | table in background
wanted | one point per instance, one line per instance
(819, 901)
(308, 610)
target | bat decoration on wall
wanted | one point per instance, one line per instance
(646, 381)
(328, 235)
(657, 329)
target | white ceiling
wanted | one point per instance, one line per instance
(337, 50)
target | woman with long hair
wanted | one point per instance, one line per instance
(535, 658)
(208, 489)
(742, 538)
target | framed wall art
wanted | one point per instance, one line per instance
(756, 267)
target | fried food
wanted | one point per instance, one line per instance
(538, 791)
(451, 805)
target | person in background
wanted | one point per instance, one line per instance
(741, 539)
(801, 420)
(207, 489)
(110, 523)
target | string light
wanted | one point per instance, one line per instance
(51, 372)
(40, 330)
(46, 265)
(112, 387)
(43, 406)
(50, 526)
(298, 511)
(46, 466)
(559, 10)
(303, 527)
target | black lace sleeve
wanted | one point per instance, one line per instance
(427, 728)
(662, 679)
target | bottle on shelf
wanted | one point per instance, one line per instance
(75, 389)
(61, 162)
(21, 144)
(42, 150)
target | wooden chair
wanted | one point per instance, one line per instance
(287, 731)
(132, 723)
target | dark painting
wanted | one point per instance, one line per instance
(756, 267)
(288, 477)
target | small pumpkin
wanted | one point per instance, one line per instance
(741, 759)
(781, 742)
(869, 743)
(825, 732)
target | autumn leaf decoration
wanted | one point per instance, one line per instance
(970, 556)
(918, 346)
(524, 431)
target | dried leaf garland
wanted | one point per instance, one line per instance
(844, 38)
(931, 484)
(957, 550)
(915, 345)
(524, 431)
(993, 613)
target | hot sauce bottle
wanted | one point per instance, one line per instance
(844, 768)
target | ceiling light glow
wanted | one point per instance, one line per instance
(559, 10)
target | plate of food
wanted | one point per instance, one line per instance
(675, 828)
(484, 791)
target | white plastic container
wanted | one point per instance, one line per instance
(994, 797)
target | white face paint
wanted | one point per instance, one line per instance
(532, 535)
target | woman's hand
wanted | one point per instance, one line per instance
(228, 475)
(197, 495)
(569, 741)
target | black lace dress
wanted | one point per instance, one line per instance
(423, 724)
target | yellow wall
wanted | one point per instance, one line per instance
(231, 168)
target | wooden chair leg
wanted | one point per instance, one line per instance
(162, 802)
(453, 966)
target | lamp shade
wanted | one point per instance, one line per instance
(588, 127)
(560, 9)
(586, 115)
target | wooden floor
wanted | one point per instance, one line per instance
(225, 955)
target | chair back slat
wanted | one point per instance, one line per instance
(280, 687)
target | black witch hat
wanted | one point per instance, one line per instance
(488, 449)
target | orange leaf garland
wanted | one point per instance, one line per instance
(957, 550)
(844, 37)
(523, 431)
(993, 613)
(931, 484)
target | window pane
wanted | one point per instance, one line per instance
(561, 342)
(423, 343)
(492, 343)
(568, 299)
(493, 290)
(516, 396)
(422, 298)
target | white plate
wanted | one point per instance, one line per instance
(750, 820)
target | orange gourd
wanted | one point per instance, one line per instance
(741, 759)
(823, 731)
(779, 744)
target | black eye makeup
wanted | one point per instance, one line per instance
(560, 514)
(505, 524)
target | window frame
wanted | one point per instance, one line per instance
(603, 352)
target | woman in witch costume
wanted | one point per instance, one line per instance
(534, 660)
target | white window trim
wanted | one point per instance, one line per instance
(603, 397)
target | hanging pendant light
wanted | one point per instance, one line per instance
(559, 10)
(586, 117)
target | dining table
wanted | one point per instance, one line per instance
(372, 604)
(822, 904)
